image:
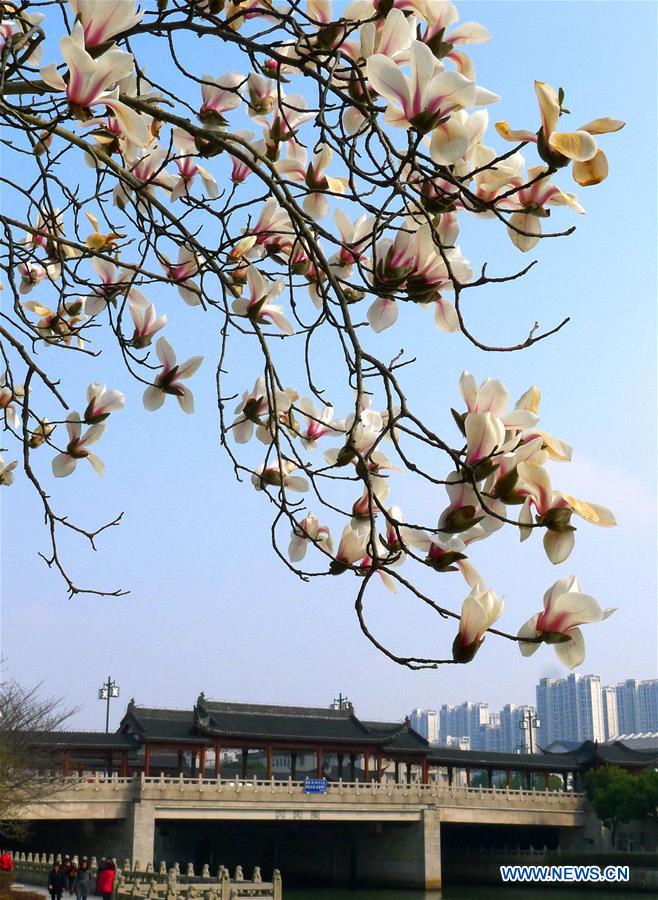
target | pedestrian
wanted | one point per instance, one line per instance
(83, 883)
(72, 873)
(6, 872)
(105, 881)
(56, 882)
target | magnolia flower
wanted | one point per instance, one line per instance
(289, 113)
(144, 318)
(424, 99)
(559, 148)
(57, 326)
(64, 463)
(492, 397)
(553, 511)
(8, 394)
(279, 475)
(189, 168)
(315, 204)
(112, 282)
(355, 236)
(524, 227)
(33, 273)
(103, 19)
(479, 612)
(169, 379)
(565, 609)
(262, 94)
(273, 230)
(41, 434)
(258, 308)
(351, 548)
(318, 424)
(219, 96)
(439, 15)
(303, 533)
(182, 272)
(254, 405)
(485, 436)
(101, 402)
(7, 472)
(90, 82)
(241, 170)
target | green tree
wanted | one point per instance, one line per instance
(619, 797)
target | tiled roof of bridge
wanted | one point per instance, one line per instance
(254, 720)
(482, 759)
(85, 740)
(160, 724)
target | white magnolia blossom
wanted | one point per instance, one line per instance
(170, 377)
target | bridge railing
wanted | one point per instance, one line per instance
(435, 791)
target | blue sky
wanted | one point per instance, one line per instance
(211, 609)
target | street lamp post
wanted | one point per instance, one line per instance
(529, 722)
(107, 692)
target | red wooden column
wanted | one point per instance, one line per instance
(508, 778)
(378, 762)
(67, 763)
(366, 766)
(124, 763)
(147, 761)
(218, 763)
(268, 773)
(318, 762)
(468, 777)
(180, 762)
(202, 762)
(425, 772)
(408, 773)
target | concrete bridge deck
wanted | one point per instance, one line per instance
(411, 813)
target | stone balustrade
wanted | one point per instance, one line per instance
(131, 881)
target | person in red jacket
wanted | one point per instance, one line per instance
(6, 872)
(6, 862)
(105, 880)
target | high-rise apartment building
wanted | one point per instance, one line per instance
(466, 720)
(610, 723)
(512, 736)
(570, 709)
(637, 706)
(426, 723)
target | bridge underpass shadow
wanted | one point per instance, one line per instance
(306, 852)
(462, 846)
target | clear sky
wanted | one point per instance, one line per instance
(211, 609)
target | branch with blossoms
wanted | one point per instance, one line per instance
(302, 199)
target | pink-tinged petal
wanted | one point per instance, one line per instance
(445, 315)
(73, 426)
(190, 293)
(97, 464)
(51, 76)
(577, 145)
(63, 465)
(153, 398)
(528, 630)
(134, 126)
(189, 367)
(469, 33)
(569, 609)
(316, 205)
(449, 142)
(492, 397)
(95, 304)
(387, 79)
(592, 171)
(296, 483)
(591, 512)
(520, 418)
(93, 435)
(165, 353)
(382, 314)
(572, 653)
(185, 399)
(468, 387)
(558, 545)
(530, 226)
(277, 318)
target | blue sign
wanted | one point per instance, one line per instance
(315, 786)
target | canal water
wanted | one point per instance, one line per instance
(464, 892)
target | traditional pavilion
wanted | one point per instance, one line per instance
(296, 742)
